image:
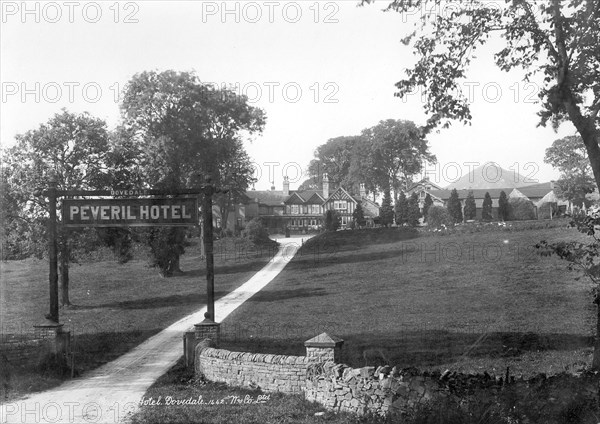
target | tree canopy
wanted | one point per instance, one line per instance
(75, 151)
(556, 42)
(569, 156)
(384, 157)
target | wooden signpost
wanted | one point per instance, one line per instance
(172, 208)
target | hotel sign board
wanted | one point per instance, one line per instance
(182, 211)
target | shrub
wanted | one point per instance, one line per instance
(333, 221)
(412, 211)
(438, 216)
(401, 209)
(520, 209)
(486, 211)
(503, 207)
(427, 204)
(548, 210)
(470, 207)
(256, 232)
(454, 207)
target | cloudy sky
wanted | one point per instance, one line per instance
(319, 70)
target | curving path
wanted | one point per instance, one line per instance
(111, 393)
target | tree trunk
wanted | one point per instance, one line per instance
(596, 358)
(174, 267)
(225, 216)
(590, 139)
(64, 280)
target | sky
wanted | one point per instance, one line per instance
(318, 69)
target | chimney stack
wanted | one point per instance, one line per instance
(325, 186)
(286, 186)
(363, 191)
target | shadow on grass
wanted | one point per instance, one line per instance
(89, 351)
(275, 295)
(324, 259)
(241, 266)
(158, 302)
(414, 348)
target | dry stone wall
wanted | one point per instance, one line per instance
(385, 390)
(270, 373)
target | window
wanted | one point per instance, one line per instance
(315, 209)
(295, 210)
(340, 204)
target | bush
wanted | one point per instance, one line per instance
(438, 216)
(256, 232)
(520, 209)
(333, 220)
(544, 211)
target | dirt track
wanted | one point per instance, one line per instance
(111, 393)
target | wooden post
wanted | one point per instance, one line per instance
(52, 251)
(207, 219)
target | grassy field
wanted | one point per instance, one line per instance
(115, 307)
(471, 301)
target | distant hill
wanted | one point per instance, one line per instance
(490, 175)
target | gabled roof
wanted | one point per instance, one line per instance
(340, 194)
(315, 198)
(305, 196)
(424, 182)
(294, 199)
(537, 191)
(267, 197)
(516, 194)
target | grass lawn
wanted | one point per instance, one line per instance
(470, 301)
(115, 307)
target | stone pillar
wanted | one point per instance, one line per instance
(208, 329)
(59, 341)
(323, 348)
(47, 330)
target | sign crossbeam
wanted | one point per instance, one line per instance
(122, 210)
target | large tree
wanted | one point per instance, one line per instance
(569, 156)
(187, 129)
(235, 175)
(555, 41)
(395, 151)
(334, 158)
(75, 150)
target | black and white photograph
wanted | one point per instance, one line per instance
(311, 211)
